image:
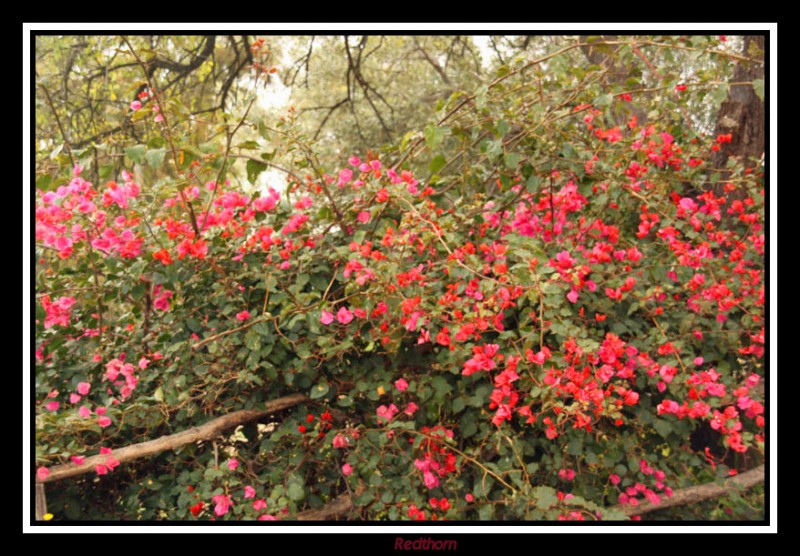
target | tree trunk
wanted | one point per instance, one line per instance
(742, 114)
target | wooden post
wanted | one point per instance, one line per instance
(41, 502)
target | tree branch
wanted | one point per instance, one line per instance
(206, 431)
(695, 494)
(332, 510)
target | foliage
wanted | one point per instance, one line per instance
(521, 311)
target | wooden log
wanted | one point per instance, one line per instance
(206, 431)
(692, 495)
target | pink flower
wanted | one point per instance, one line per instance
(244, 315)
(259, 504)
(347, 470)
(250, 492)
(159, 118)
(42, 473)
(74, 398)
(363, 216)
(83, 388)
(698, 361)
(84, 411)
(52, 406)
(135, 105)
(101, 469)
(410, 409)
(78, 460)
(615, 480)
(572, 296)
(104, 451)
(469, 497)
(401, 384)
(233, 464)
(354, 160)
(143, 363)
(387, 413)
(223, 502)
(340, 441)
(101, 410)
(111, 462)
(104, 421)
(326, 317)
(344, 316)
(267, 517)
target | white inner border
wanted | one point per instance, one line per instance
(406, 531)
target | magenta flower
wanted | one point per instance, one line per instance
(233, 464)
(78, 460)
(249, 492)
(101, 469)
(104, 421)
(42, 473)
(83, 388)
(363, 216)
(259, 504)
(401, 384)
(340, 441)
(326, 317)
(223, 503)
(244, 315)
(52, 406)
(347, 470)
(136, 105)
(344, 316)
(267, 517)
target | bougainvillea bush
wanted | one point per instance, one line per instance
(531, 309)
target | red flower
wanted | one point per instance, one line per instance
(197, 508)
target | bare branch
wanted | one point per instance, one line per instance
(206, 431)
(695, 494)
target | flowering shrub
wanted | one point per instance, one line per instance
(535, 337)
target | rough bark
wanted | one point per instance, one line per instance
(330, 511)
(695, 494)
(742, 113)
(206, 431)
(601, 55)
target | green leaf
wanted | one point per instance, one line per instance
(254, 168)
(295, 491)
(502, 127)
(533, 183)
(437, 163)
(252, 340)
(43, 181)
(136, 153)
(511, 160)
(604, 100)
(545, 497)
(663, 427)
(433, 136)
(251, 145)
(441, 386)
(758, 88)
(155, 157)
(319, 390)
(575, 447)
